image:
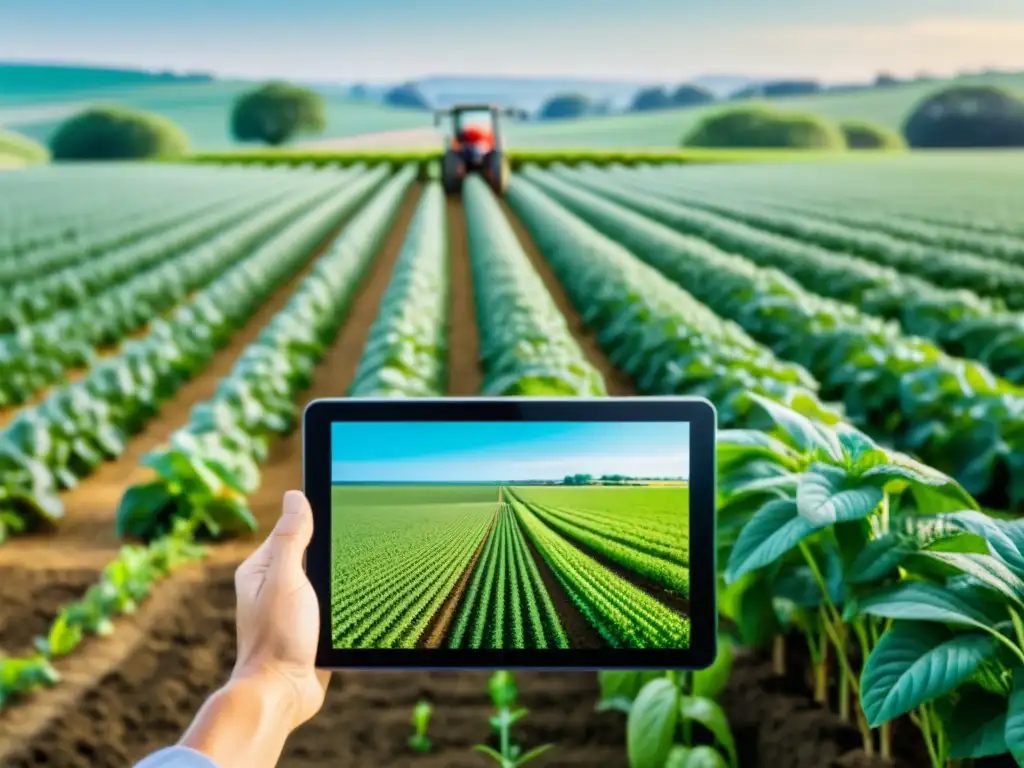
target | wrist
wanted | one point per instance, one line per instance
(267, 689)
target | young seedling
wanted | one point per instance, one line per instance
(502, 686)
(421, 723)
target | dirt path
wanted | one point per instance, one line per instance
(464, 374)
(437, 630)
(617, 382)
(86, 535)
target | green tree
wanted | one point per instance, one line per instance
(761, 127)
(687, 95)
(275, 112)
(967, 116)
(649, 99)
(861, 134)
(116, 133)
(565, 106)
(406, 96)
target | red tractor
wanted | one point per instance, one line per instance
(474, 145)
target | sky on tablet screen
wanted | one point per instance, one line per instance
(438, 452)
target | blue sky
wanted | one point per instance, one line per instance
(647, 39)
(475, 451)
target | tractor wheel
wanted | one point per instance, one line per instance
(452, 171)
(498, 172)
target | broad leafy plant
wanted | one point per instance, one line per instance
(663, 708)
(820, 521)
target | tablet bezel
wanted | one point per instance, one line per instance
(318, 417)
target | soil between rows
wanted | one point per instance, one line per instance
(464, 374)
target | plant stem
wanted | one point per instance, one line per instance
(505, 736)
(885, 741)
(821, 677)
(779, 656)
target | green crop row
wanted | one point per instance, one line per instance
(40, 354)
(504, 581)
(212, 463)
(121, 586)
(960, 322)
(953, 413)
(79, 425)
(653, 329)
(660, 570)
(396, 611)
(624, 615)
(526, 347)
(959, 269)
(406, 351)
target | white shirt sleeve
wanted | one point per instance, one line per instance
(177, 757)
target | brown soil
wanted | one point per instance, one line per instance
(617, 382)
(437, 630)
(464, 374)
(31, 599)
(145, 703)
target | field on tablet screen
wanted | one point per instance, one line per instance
(466, 566)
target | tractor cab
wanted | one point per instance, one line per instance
(474, 146)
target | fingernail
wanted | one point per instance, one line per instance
(293, 501)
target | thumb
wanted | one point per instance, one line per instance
(291, 535)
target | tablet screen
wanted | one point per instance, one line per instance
(470, 535)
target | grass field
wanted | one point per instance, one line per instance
(494, 567)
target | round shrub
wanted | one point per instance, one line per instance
(565, 106)
(756, 127)
(275, 112)
(115, 133)
(863, 135)
(687, 95)
(406, 96)
(963, 116)
(650, 99)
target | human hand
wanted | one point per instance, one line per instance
(278, 617)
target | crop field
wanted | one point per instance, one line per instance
(859, 326)
(495, 567)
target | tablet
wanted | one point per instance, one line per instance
(512, 532)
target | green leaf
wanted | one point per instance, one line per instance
(534, 753)
(822, 501)
(695, 757)
(985, 569)
(916, 662)
(712, 681)
(977, 725)
(138, 514)
(619, 685)
(772, 532)
(805, 434)
(651, 725)
(903, 472)
(490, 752)
(919, 601)
(1014, 731)
(880, 558)
(706, 712)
